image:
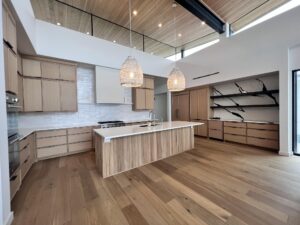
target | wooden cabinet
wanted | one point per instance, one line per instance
(201, 130)
(50, 70)
(51, 95)
(215, 129)
(68, 96)
(11, 70)
(32, 94)
(15, 183)
(31, 68)
(181, 106)
(149, 95)
(200, 103)
(143, 98)
(27, 154)
(235, 132)
(67, 72)
(263, 135)
(9, 29)
(80, 139)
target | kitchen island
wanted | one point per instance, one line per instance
(120, 149)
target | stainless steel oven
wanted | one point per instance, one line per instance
(12, 109)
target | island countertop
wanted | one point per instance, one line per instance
(117, 132)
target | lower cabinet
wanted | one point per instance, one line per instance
(201, 130)
(235, 132)
(215, 129)
(15, 183)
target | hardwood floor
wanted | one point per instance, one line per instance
(215, 184)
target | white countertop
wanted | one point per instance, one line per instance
(116, 132)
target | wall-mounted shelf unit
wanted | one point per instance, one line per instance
(244, 106)
(245, 94)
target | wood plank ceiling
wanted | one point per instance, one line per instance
(150, 14)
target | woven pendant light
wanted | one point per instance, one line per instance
(131, 74)
(176, 79)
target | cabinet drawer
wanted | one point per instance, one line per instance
(51, 133)
(52, 151)
(217, 134)
(216, 125)
(267, 134)
(15, 183)
(25, 166)
(80, 146)
(24, 154)
(262, 126)
(235, 130)
(235, 138)
(265, 143)
(52, 141)
(79, 137)
(79, 130)
(24, 142)
(235, 124)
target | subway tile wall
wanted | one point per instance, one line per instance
(88, 110)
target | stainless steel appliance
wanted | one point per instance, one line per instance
(12, 109)
(108, 124)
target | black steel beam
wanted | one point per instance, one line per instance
(203, 13)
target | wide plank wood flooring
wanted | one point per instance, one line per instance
(215, 184)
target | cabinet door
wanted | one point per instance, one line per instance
(31, 68)
(139, 98)
(203, 103)
(51, 95)
(67, 72)
(11, 75)
(149, 99)
(194, 104)
(68, 96)
(11, 32)
(20, 93)
(32, 93)
(202, 129)
(149, 83)
(184, 107)
(50, 70)
(4, 22)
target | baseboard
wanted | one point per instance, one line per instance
(9, 219)
(288, 154)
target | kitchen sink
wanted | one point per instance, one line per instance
(149, 125)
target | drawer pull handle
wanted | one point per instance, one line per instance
(26, 161)
(13, 178)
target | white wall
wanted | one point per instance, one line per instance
(261, 49)
(6, 214)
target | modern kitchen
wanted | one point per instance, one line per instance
(150, 112)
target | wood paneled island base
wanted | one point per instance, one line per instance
(121, 154)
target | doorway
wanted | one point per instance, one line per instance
(296, 112)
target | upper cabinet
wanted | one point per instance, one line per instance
(200, 103)
(108, 81)
(67, 72)
(9, 29)
(55, 84)
(143, 97)
(31, 68)
(50, 70)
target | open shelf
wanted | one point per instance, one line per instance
(245, 94)
(244, 106)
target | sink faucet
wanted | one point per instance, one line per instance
(152, 115)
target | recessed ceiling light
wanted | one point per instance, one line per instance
(134, 47)
(134, 12)
(202, 22)
(159, 25)
(152, 54)
(58, 24)
(114, 41)
(179, 35)
(88, 33)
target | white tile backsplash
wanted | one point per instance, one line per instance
(88, 110)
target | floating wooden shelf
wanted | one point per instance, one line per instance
(245, 94)
(244, 106)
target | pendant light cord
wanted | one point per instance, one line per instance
(175, 29)
(130, 39)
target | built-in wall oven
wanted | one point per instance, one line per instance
(12, 109)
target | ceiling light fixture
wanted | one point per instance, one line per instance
(114, 41)
(202, 23)
(176, 79)
(131, 74)
(159, 25)
(179, 35)
(134, 12)
(58, 23)
(88, 33)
